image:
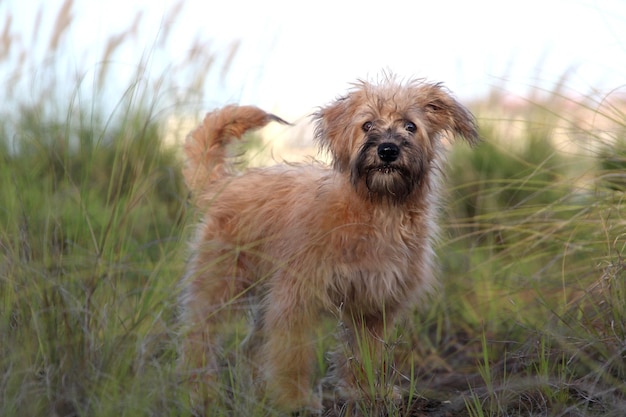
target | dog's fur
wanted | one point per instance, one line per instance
(354, 239)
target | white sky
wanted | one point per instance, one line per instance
(297, 55)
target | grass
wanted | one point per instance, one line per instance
(530, 319)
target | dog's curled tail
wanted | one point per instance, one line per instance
(205, 147)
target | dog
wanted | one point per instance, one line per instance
(351, 239)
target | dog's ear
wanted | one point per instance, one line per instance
(334, 130)
(445, 113)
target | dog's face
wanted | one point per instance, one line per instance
(387, 136)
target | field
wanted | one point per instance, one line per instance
(530, 319)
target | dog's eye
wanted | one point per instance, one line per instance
(367, 126)
(410, 126)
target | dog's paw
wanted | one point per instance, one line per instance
(313, 408)
(395, 393)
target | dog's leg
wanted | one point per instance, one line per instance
(287, 353)
(360, 368)
(250, 349)
(213, 290)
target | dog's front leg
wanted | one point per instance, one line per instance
(361, 369)
(287, 354)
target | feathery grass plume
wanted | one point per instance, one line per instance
(169, 22)
(6, 39)
(113, 43)
(62, 24)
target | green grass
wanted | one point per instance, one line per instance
(530, 319)
(89, 251)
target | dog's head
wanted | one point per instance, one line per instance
(387, 136)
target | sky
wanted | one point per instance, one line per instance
(295, 56)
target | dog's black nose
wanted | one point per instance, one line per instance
(388, 152)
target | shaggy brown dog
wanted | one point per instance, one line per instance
(353, 240)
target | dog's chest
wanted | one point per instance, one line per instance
(371, 265)
(375, 242)
(371, 250)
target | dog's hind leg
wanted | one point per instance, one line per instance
(214, 289)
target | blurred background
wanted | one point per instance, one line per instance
(292, 57)
(192, 56)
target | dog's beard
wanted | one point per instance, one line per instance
(391, 181)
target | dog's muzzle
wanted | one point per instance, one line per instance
(388, 152)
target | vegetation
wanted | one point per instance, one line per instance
(530, 319)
